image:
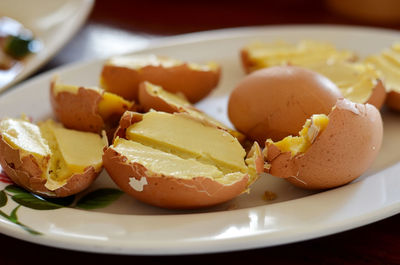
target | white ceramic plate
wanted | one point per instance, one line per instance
(249, 221)
(53, 22)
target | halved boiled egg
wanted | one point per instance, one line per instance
(49, 159)
(176, 161)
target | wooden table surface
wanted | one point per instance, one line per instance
(120, 26)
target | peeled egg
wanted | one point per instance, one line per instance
(275, 102)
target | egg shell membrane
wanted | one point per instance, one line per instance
(166, 191)
(340, 154)
(393, 100)
(25, 172)
(194, 84)
(378, 95)
(149, 101)
(275, 102)
(77, 111)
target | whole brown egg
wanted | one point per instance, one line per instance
(275, 102)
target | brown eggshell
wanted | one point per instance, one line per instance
(167, 191)
(25, 172)
(248, 65)
(393, 100)
(148, 101)
(127, 119)
(194, 84)
(378, 95)
(171, 192)
(340, 154)
(275, 102)
(77, 111)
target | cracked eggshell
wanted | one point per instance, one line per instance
(25, 172)
(378, 95)
(150, 101)
(340, 154)
(77, 111)
(80, 111)
(166, 191)
(275, 102)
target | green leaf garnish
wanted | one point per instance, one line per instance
(34, 202)
(3, 198)
(99, 198)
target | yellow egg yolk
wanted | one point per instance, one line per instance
(388, 65)
(112, 104)
(59, 152)
(189, 138)
(183, 105)
(305, 52)
(299, 144)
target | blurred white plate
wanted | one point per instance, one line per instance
(249, 221)
(53, 22)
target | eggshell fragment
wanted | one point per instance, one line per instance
(339, 154)
(82, 108)
(24, 171)
(77, 111)
(122, 76)
(155, 97)
(275, 102)
(378, 95)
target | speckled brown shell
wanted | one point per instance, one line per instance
(194, 84)
(25, 172)
(340, 154)
(275, 102)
